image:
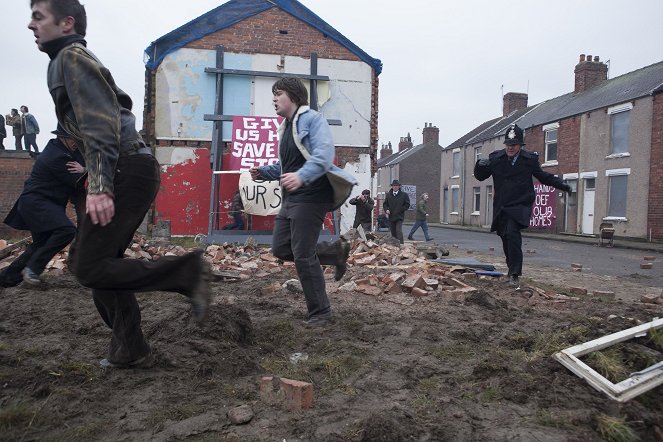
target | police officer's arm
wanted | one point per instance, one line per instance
(548, 178)
(482, 169)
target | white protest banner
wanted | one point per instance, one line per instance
(411, 191)
(259, 198)
(254, 142)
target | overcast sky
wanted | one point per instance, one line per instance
(444, 62)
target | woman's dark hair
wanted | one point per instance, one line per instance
(294, 88)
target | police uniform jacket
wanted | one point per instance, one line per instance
(514, 189)
(41, 206)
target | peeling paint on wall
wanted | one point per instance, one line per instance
(184, 196)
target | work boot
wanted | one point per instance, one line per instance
(201, 293)
(31, 277)
(410, 238)
(318, 320)
(513, 282)
(343, 253)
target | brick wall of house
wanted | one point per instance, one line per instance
(423, 170)
(655, 212)
(16, 167)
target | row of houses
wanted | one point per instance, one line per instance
(605, 139)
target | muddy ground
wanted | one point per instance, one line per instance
(472, 370)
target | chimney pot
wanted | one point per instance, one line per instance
(589, 57)
(582, 58)
(596, 58)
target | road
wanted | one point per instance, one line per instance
(618, 262)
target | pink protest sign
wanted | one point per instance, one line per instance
(543, 211)
(254, 143)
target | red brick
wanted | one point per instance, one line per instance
(646, 265)
(298, 394)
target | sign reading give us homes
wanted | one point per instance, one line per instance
(254, 142)
(543, 213)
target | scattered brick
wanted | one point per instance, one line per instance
(604, 294)
(417, 292)
(649, 258)
(578, 291)
(576, 265)
(646, 265)
(649, 299)
(298, 394)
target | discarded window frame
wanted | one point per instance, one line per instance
(627, 389)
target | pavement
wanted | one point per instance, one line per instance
(618, 242)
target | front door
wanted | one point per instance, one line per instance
(488, 221)
(588, 206)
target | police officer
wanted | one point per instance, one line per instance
(512, 169)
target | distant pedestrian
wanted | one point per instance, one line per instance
(512, 169)
(14, 120)
(54, 181)
(421, 219)
(364, 212)
(3, 132)
(30, 130)
(395, 204)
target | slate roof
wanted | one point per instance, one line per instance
(405, 153)
(637, 84)
(235, 11)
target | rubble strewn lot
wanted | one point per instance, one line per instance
(417, 351)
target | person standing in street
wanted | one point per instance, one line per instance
(54, 181)
(512, 169)
(30, 130)
(421, 219)
(14, 120)
(312, 186)
(364, 210)
(123, 180)
(395, 204)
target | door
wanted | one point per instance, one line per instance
(588, 206)
(488, 221)
(445, 206)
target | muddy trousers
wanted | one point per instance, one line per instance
(96, 259)
(296, 231)
(512, 243)
(37, 255)
(397, 229)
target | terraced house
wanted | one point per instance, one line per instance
(605, 138)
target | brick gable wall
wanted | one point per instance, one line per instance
(261, 34)
(655, 212)
(16, 169)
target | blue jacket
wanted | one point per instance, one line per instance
(314, 140)
(30, 125)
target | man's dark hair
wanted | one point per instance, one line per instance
(66, 8)
(14, 111)
(294, 88)
(25, 107)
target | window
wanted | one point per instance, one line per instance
(617, 192)
(477, 154)
(476, 206)
(551, 145)
(619, 123)
(456, 164)
(454, 199)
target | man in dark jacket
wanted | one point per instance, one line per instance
(123, 180)
(395, 204)
(364, 214)
(512, 169)
(41, 208)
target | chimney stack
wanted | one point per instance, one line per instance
(513, 101)
(431, 134)
(589, 72)
(386, 150)
(405, 143)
